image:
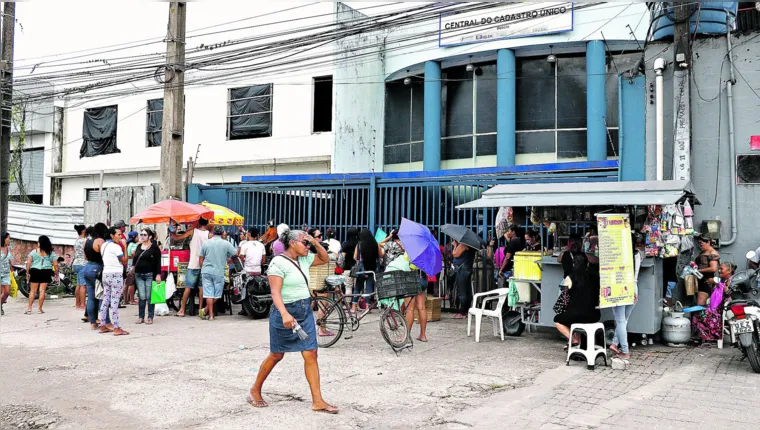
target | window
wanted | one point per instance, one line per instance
(468, 103)
(155, 114)
(323, 99)
(99, 132)
(404, 121)
(618, 64)
(249, 113)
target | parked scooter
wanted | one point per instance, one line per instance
(252, 291)
(741, 314)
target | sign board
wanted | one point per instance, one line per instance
(512, 20)
(617, 287)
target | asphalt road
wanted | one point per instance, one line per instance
(188, 373)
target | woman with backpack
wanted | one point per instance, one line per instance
(41, 266)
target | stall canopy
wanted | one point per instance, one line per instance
(642, 193)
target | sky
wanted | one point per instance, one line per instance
(47, 28)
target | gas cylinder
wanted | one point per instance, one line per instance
(676, 329)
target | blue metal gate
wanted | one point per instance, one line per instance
(381, 200)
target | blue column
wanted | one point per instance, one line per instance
(432, 146)
(506, 100)
(596, 100)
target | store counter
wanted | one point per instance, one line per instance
(647, 314)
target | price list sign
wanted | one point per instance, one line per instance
(615, 261)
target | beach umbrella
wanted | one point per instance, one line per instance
(167, 210)
(422, 247)
(223, 215)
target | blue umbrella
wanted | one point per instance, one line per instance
(421, 246)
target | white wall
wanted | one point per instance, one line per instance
(74, 189)
(205, 125)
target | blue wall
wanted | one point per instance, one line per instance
(632, 114)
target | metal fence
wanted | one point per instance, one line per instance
(382, 200)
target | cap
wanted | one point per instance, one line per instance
(132, 234)
(120, 224)
(218, 230)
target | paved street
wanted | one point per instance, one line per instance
(187, 373)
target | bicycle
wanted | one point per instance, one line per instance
(330, 314)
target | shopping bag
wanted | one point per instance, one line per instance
(162, 309)
(514, 295)
(171, 287)
(14, 286)
(158, 293)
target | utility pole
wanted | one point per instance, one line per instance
(6, 105)
(173, 126)
(682, 92)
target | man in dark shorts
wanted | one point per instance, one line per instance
(514, 245)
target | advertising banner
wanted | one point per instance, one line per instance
(615, 261)
(505, 22)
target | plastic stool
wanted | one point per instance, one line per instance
(591, 351)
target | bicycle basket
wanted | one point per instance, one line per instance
(397, 284)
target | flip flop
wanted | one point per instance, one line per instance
(40, 311)
(256, 403)
(107, 330)
(123, 333)
(422, 340)
(332, 410)
(179, 316)
(140, 321)
(149, 321)
(327, 333)
(202, 314)
(85, 319)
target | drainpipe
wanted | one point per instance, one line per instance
(659, 66)
(731, 137)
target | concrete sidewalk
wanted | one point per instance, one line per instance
(188, 373)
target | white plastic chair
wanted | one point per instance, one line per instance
(499, 294)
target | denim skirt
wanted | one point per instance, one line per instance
(283, 339)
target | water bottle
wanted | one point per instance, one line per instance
(299, 331)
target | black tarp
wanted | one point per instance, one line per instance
(155, 120)
(99, 132)
(254, 105)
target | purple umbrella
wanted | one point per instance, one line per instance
(421, 247)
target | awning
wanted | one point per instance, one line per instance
(631, 193)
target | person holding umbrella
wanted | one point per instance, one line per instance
(424, 251)
(464, 245)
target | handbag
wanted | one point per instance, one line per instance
(99, 290)
(130, 278)
(341, 261)
(358, 268)
(563, 301)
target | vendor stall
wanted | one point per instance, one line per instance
(655, 208)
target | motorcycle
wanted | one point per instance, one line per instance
(741, 314)
(252, 292)
(66, 277)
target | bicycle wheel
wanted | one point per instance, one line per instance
(329, 318)
(394, 329)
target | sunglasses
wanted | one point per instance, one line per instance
(143, 235)
(306, 243)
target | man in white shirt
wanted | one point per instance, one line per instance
(253, 252)
(198, 236)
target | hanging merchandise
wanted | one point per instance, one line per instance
(534, 217)
(502, 221)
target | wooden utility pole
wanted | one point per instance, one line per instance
(681, 36)
(172, 135)
(6, 104)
